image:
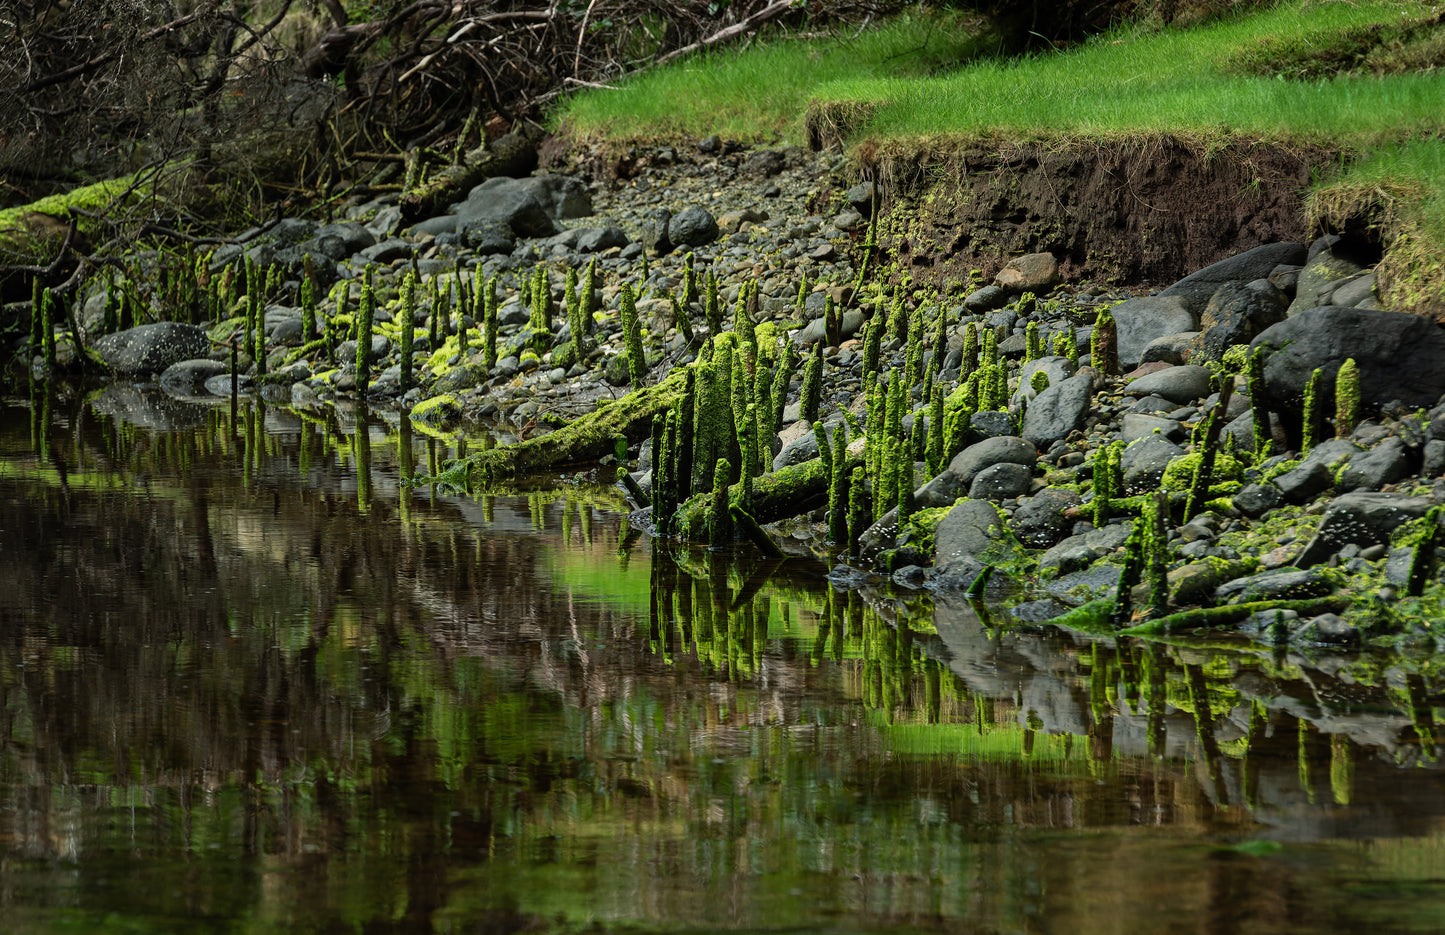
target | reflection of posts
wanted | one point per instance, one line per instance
(361, 446)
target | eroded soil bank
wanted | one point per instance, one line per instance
(1132, 212)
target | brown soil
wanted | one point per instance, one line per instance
(1133, 212)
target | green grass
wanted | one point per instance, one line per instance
(1175, 82)
(922, 77)
(762, 92)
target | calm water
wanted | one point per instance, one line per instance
(251, 683)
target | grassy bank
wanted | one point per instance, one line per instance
(1364, 77)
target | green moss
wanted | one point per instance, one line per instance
(1180, 472)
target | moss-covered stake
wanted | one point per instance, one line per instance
(489, 324)
(712, 305)
(838, 488)
(1034, 345)
(364, 316)
(1156, 557)
(719, 525)
(408, 326)
(857, 509)
(935, 449)
(1129, 574)
(1204, 470)
(1347, 399)
(1313, 421)
(1104, 344)
(308, 300)
(47, 329)
(812, 386)
(632, 334)
(904, 478)
(1422, 556)
(1263, 435)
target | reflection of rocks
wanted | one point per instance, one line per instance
(149, 410)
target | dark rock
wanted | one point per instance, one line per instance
(1006, 449)
(486, 236)
(1141, 321)
(1326, 630)
(1001, 482)
(1081, 551)
(513, 201)
(711, 145)
(1356, 292)
(188, 377)
(1255, 500)
(1040, 611)
(972, 528)
(943, 490)
(461, 377)
(1039, 522)
(986, 299)
(353, 238)
(1236, 313)
(1058, 410)
(1144, 461)
(1400, 356)
(1384, 464)
(1136, 425)
(151, 348)
(692, 227)
(1178, 385)
(1278, 584)
(765, 163)
(991, 424)
(654, 232)
(1169, 348)
(1056, 369)
(389, 250)
(1242, 429)
(1196, 289)
(597, 239)
(1364, 518)
(1322, 270)
(862, 197)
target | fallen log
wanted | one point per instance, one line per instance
(513, 156)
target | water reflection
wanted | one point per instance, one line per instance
(253, 679)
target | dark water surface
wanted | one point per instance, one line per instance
(251, 683)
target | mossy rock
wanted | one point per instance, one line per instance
(436, 410)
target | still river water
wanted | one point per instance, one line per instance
(249, 682)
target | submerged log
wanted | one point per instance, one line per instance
(780, 494)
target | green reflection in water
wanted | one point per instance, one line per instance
(238, 693)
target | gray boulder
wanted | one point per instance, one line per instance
(1400, 356)
(1057, 369)
(1320, 275)
(1144, 461)
(1005, 449)
(512, 201)
(1196, 289)
(692, 227)
(971, 529)
(1362, 518)
(151, 348)
(943, 490)
(1001, 482)
(1141, 321)
(597, 239)
(1081, 551)
(1384, 464)
(486, 236)
(1058, 410)
(1177, 384)
(1235, 314)
(188, 377)
(1040, 521)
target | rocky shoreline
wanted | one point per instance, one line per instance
(1044, 418)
